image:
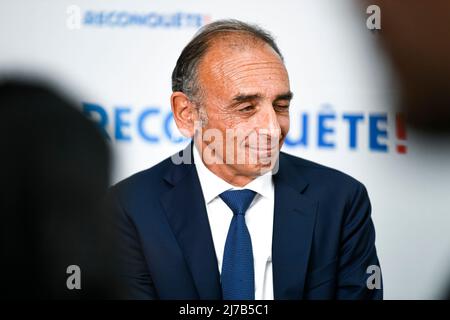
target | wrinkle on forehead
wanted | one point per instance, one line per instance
(223, 63)
(265, 70)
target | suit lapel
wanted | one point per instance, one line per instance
(187, 216)
(294, 220)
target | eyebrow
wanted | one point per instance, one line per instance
(248, 97)
(285, 96)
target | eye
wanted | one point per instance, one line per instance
(247, 108)
(282, 107)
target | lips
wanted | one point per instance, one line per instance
(264, 153)
(263, 148)
(274, 148)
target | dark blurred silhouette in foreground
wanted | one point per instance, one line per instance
(415, 36)
(54, 174)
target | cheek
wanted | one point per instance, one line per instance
(284, 123)
(225, 120)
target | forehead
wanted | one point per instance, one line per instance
(242, 66)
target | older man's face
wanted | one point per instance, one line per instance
(246, 97)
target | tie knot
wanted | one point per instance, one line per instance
(238, 200)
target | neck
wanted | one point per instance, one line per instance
(229, 175)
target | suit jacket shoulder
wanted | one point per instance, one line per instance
(315, 170)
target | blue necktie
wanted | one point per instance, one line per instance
(238, 278)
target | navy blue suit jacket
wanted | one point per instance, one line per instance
(323, 235)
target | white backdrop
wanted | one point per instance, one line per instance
(116, 57)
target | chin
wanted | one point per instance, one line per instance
(256, 170)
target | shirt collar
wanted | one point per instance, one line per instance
(213, 186)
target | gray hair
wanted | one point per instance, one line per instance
(184, 75)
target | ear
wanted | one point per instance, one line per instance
(183, 113)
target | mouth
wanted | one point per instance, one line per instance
(264, 148)
(258, 149)
(264, 154)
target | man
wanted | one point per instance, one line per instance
(230, 217)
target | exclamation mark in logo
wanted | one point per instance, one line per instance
(401, 132)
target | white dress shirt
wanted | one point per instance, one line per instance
(258, 218)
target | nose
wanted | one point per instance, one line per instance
(270, 119)
(268, 124)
